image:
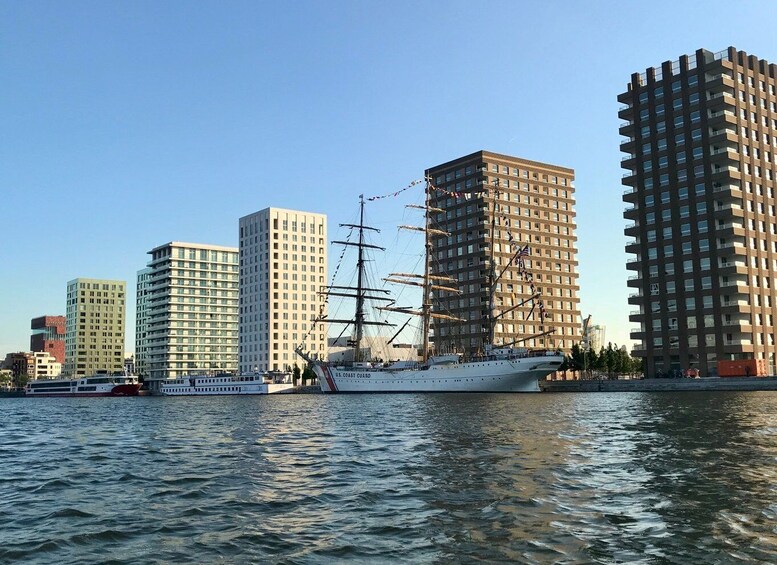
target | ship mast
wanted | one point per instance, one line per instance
(491, 280)
(426, 305)
(428, 282)
(359, 318)
(361, 290)
(491, 277)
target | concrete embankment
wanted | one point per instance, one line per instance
(309, 389)
(661, 385)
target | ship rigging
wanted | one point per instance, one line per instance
(495, 369)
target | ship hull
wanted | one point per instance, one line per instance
(182, 390)
(119, 390)
(513, 375)
(87, 387)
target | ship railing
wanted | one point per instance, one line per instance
(372, 365)
(545, 353)
(519, 355)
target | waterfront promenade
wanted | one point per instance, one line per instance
(662, 385)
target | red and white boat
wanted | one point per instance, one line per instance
(97, 385)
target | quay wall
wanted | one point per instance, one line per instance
(308, 389)
(661, 385)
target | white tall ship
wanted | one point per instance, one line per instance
(496, 369)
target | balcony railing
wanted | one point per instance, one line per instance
(727, 169)
(725, 187)
(724, 264)
(724, 131)
(732, 153)
(710, 78)
(738, 303)
(722, 113)
(737, 342)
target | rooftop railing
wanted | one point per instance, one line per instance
(676, 67)
(721, 56)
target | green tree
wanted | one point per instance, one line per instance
(20, 381)
(308, 376)
(622, 361)
(598, 362)
(577, 358)
(295, 375)
(611, 360)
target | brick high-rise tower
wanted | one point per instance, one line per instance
(534, 205)
(701, 146)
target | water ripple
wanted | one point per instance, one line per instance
(605, 478)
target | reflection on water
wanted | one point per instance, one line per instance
(639, 478)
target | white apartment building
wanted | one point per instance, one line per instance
(283, 267)
(141, 321)
(94, 330)
(187, 314)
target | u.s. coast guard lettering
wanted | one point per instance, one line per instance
(354, 375)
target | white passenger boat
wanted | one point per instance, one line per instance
(97, 385)
(221, 385)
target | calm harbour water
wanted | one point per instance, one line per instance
(575, 478)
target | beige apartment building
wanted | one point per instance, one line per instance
(94, 331)
(45, 365)
(186, 314)
(283, 268)
(700, 176)
(492, 205)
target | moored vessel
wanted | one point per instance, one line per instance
(512, 370)
(97, 385)
(221, 385)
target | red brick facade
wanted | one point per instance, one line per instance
(48, 334)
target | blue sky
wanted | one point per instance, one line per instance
(125, 125)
